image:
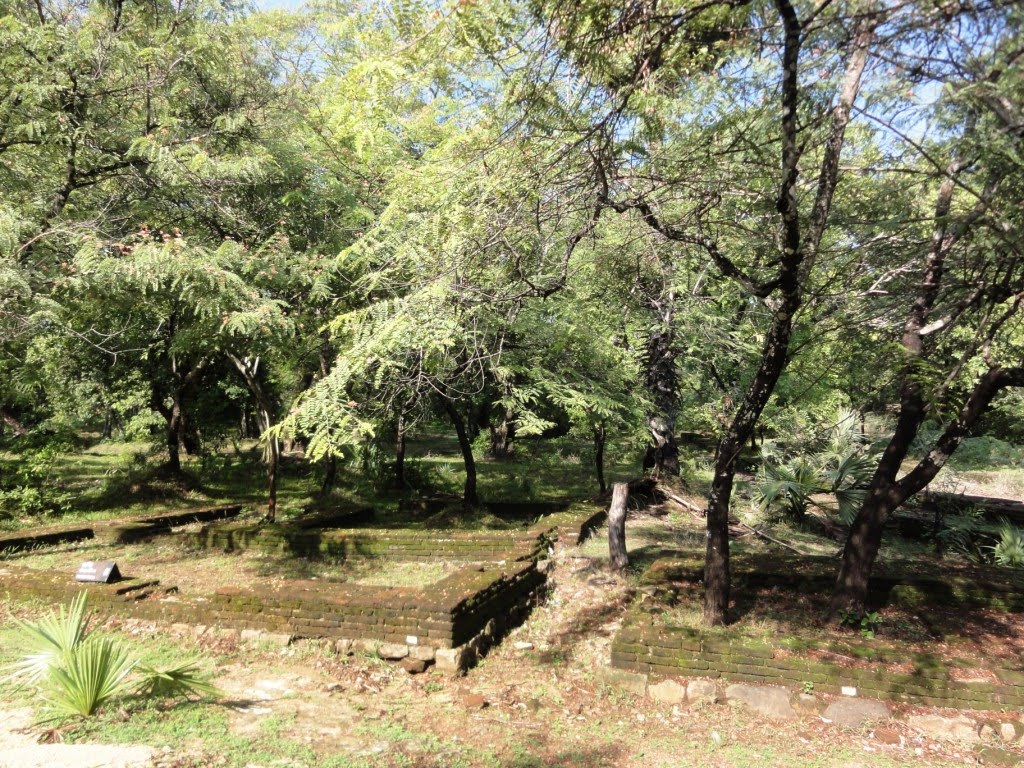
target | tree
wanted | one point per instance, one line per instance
(962, 283)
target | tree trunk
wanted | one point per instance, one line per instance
(797, 260)
(330, 474)
(469, 494)
(16, 427)
(249, 369)
(886, 493)
(273, 462)
(175, 432)
(662, 382)
(600, 438)
(502, 436)
(617, 527)
(173, 449)
(717, 578)
(859, 553)
(271, 454)
(400, 453)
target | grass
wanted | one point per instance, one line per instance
(113, 480)
(166, 558)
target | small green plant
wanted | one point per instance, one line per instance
(1009, 550)
(88, 678)
(77, 672)
(180, 680)
(959, 533)
(866, 623)
(49, 641)
(807, 687)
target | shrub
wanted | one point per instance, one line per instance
(77, 672)
(1009, 550)
(89, 677)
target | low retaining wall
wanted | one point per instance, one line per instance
(454, 619)
(115, 531)
(645, 645)
(571, 526)
(352, 543)
(22, 542)
(450, 622)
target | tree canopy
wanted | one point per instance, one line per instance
(624, 222)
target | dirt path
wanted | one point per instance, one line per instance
(20, 748)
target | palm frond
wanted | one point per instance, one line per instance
(181, 680)
(91, 676)
(50, 641)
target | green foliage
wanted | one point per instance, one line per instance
(49, 642)
(866, 623)
(88, 678)
(959, 533)
(1008, 551)
(987, 452)
(180, 680)
(789, 487)
(840, 468)
(31, 485)
(77, 672)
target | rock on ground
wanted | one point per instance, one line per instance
(700, 692)
(766, 700)
(996, 756)
(634, 682)
(855, 713)
(667, 692)
(944, 728)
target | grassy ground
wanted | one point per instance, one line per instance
(123, 479)
(199, 571)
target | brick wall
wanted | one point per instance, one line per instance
(446, 614)
(114, 531)
(352, 543)
(466, 611)
(645, 645)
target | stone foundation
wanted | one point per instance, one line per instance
(451, 622)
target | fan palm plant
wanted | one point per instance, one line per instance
(790, 486)
(77, 672)
(88, 678)
(49, 642)
(1009, 550)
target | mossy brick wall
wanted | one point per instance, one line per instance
(571, 525)
(445, 614)
(16, 581)
(646, 645)
(23, 541)
(114, 530)
(448, 613)
(363, 543)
